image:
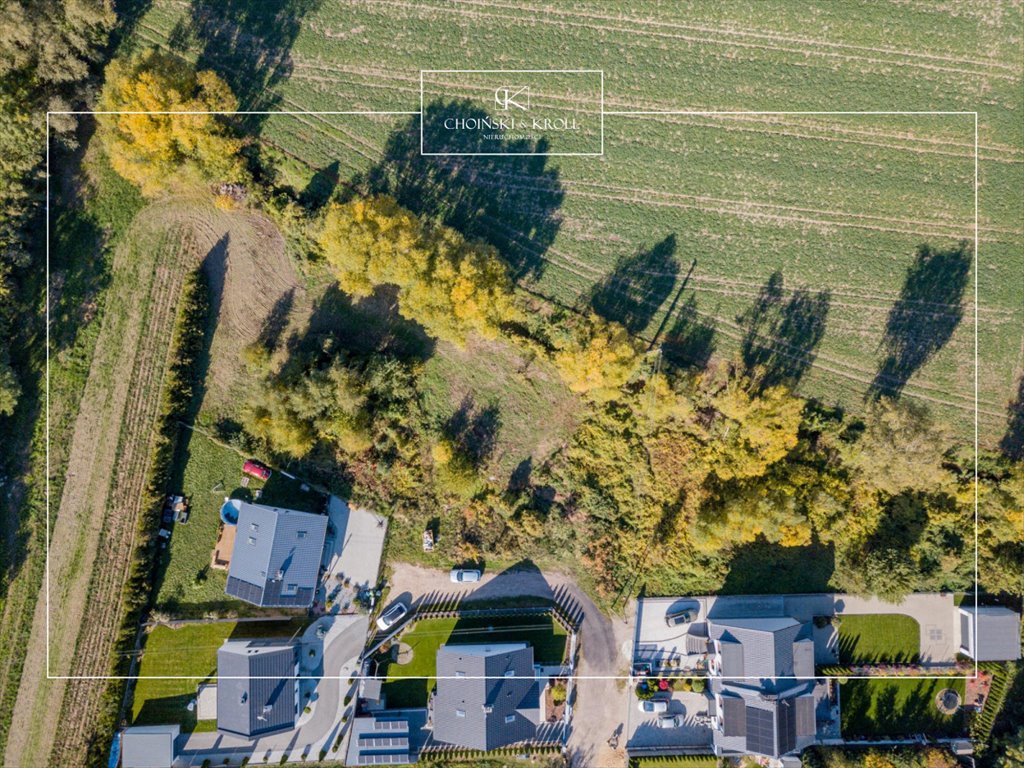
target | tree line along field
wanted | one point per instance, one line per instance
(836, 205)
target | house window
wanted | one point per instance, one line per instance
(510, 673)
(255, 527)
(301, 534)
(290, 589)
(510, 718)
(460, 713)
(252, 541)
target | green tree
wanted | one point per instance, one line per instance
(10, 389)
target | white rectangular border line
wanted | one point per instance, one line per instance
(623, 114)
(517, 154)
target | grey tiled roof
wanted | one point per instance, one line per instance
(249, 705)
(997, 632)
(763, 647)
(277, 555)
(148, 746)
(487, 695)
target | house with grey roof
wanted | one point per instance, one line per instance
(277, 556)
(767, 701)
(257, 687)
(487, 696)
(989, 632)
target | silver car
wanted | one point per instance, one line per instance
(670, 721)
(392, 616)
(464, 576)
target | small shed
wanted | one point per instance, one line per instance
(989, 633)
(149, 746)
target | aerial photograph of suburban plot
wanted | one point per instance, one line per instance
(492, 384)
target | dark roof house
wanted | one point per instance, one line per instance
(989, 633)
(257, 686)
(487, 695)
(765, 696)
(762, 647)
(756, 722)
(276, 557)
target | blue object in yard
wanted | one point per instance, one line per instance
(115, 751)
(229, 511)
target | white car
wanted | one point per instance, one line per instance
(653, 706)
(392, 616)
(464, 576)
(670, 721)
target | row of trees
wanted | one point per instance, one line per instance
(47, 48)
(670, 473)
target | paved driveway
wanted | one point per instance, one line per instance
(605, 643)
(334, 661)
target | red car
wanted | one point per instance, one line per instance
(256, 469)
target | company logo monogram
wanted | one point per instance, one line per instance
(508, 96)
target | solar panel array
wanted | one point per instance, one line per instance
(787, 726)
(388, 743)
(394, 758)
(760, 731)
(390, 725)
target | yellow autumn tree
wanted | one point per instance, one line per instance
(595, 357)
(448, 285)
(160, 151)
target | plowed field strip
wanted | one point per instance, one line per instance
(877, 62)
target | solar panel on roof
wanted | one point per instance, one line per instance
(389, 743)
(391, 725)
(760, 731)
(392, 759)
(787, 727)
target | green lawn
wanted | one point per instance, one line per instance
(897, 707)
(409, 685)
(189, 651)
(189, 588)
(878, 638)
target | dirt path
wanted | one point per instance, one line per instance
(601, 695)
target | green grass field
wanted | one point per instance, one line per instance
(879, 638)
(189, 652)
(880, 708)
(409, 685)
(837, 204)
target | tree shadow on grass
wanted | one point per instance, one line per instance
(248, 44)
(924, 317)
(510, 202)
(320, 187)
(1012, 444)
(366, 326)
(782, 333)
(690, 340)
(763, 567)
(637, 286)
(474, 430)
(276, 321)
